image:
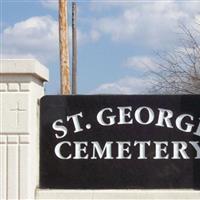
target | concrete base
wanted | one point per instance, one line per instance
(117, 194)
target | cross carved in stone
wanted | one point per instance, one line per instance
(18, 110)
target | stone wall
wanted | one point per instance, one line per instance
(21, 87)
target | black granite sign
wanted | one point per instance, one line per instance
(120, 142)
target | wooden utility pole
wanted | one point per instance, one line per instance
(74, 48)
(64, 49)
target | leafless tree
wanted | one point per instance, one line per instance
(179, 71)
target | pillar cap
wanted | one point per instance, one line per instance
(24, 66)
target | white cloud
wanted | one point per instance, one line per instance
(140, 62)
(51, 4)
(94, 35)
(37, 37)
(34, 37)
(153, 24)
(99, 6)
(122, 27)
(127, 85)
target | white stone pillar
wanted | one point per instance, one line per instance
(21, 87)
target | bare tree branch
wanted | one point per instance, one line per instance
(178, 72)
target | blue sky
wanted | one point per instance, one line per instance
(116, 39)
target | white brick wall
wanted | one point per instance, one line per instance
(14, 87)
(21, 85)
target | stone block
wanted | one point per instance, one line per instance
(13, 139)
(3, 87)
(13, 87)
(24, 87)
(14, 108)
(3, 139)
(24, 139)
